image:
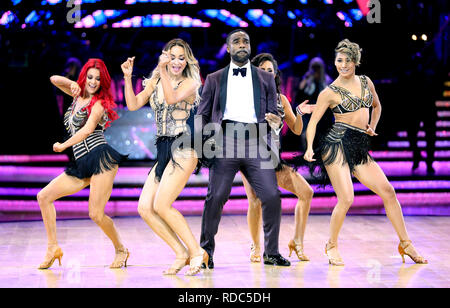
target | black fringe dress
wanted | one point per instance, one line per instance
(350, 141)
(93, 155)
(173, 133)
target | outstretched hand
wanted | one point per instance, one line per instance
(306, 108)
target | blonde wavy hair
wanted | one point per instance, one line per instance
(192, 69)
(352, 50)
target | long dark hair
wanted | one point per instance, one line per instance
(263, 57)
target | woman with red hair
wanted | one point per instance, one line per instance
(96, 163)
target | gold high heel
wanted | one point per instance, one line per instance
(58, 254)
(177, 266)
(196, 263)
(254, 256)
(122, 263)
(402, 251)
(293, 246)
(336, 262)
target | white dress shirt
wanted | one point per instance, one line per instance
(240, 105)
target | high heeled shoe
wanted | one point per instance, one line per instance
(196, 262)
(402, 251)
(177, 266)
(255, 257)
(293, 246)
(120, 263)
(332, 261)
(58, 254)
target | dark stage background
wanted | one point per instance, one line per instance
(409, 74)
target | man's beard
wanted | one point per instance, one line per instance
(240, 57)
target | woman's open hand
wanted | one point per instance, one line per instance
(306, 108)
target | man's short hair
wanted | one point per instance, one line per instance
(232, 32)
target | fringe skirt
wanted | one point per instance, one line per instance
(164, 152)
(100, 159)
(351, 142)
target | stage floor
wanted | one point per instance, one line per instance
(368, 246)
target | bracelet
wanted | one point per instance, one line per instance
(125, 77)
(299, 112)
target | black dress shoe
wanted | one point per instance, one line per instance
(210, 263)
(277, 260)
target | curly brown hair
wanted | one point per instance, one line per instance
(350, 49)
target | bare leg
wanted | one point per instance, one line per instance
(254, 220)
(343, 186)
(290, 180)
(61, 186)
(100, 192)
(372, 176)
(154, 221)
(293, 182)
(172, 183)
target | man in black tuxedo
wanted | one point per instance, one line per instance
(241, 96)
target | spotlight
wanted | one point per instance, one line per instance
(424, 37)
(414, 37)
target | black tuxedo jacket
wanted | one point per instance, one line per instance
(214, 95)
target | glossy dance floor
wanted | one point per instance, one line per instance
(368, 246)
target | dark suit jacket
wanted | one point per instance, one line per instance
(214, 95)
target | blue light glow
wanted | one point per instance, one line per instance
(291, 15)
(131, 2)
(258, 17)
(158, 20)
(98, 18)
(32, 17)
(300, 58)
(357, 14)
(225, 17)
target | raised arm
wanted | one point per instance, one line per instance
(323, 102)
(66, 85)
(135, 102)
(186, 91)
(92, 122)
(376, 110)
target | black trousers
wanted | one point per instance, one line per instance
(262, 179)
